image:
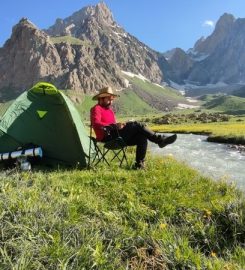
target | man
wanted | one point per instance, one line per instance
(104, 123)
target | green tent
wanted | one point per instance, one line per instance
(45, 117)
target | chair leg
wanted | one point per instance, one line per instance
(97, 155)
(102, 158)
(116, 154)
(124, 157)
(100, 155)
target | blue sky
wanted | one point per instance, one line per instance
(161, 24)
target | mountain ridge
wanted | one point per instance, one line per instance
(106, 49)
(88, 50)
(217, 59)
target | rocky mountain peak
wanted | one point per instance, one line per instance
(180, 63)
(221, 31)
(28, 39)
(72, 25)
(95, 25)
(178, 53)
(226, 20)
(24, 22)
(199, 42)
(226, 58)
(104, 13)
(27, 56)
(21, 31)
(83, 52)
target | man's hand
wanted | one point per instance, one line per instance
(120, 125)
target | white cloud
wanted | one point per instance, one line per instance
(208, 23)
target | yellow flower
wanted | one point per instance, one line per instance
(163, 226)
(213, 254)
(207, 213)
(227, 267)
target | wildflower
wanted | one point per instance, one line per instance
(227, 267)
(207, 213)
(163, 226)
(213, 254)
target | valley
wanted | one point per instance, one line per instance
(186, 209)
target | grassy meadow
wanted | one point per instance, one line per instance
(232, 131)
(225, 103)
(166, 217)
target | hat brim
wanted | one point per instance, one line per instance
(96, 97)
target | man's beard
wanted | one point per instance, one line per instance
(108, 105)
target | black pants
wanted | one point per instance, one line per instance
(134, 133)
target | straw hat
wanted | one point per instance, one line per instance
(105, 92)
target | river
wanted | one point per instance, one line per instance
(215, 160)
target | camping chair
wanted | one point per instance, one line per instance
(115, 146)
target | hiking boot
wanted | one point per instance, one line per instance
(139, 165)
(165, 140)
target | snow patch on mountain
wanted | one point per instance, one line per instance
(132, 75)
(182, 106)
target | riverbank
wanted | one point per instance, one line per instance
(234, 142)
(166, 217)
(221, 132)
(215, 160)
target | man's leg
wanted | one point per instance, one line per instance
(132, 134)
(141, 147)
(137, 134)
(133, 128)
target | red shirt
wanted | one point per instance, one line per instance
(100, 117)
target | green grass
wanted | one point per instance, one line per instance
(84, 107)
(239, 92)
(130, 104)
(167, 217)
(232, 131)
(155, 90)
(228, 104)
